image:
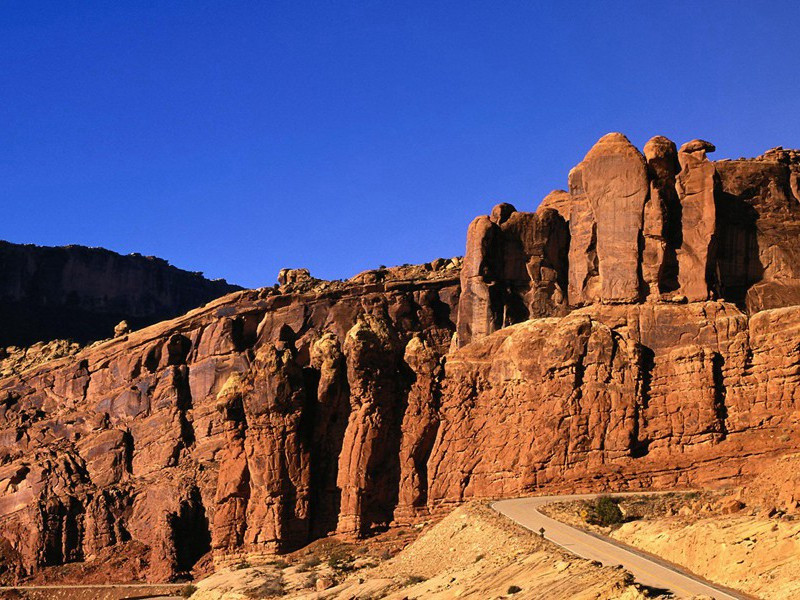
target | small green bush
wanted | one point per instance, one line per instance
(414, 579)
(268, 589)
(188, 590)
(606, 512)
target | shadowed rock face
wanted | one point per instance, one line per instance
(79, 293)
(640, 330)
(661, 226)
(759, 216)
(514, 269)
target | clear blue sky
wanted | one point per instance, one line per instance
(236, 138)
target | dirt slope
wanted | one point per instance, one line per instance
(472, 553)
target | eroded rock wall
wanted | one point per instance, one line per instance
(252, 425)
(625, 396)
(515, 268)
(665, 372)
(640, 330)
(759, 221)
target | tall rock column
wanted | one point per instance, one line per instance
(584, 276)
(278, 460)
(420, 423)
(696, 184)
(614, 178)
(661, 226)
(233, 483)
(368, 464)
(330, 421)
(478, 302)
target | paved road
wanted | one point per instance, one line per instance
(647, 570)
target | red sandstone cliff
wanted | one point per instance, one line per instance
(257, 423)
(640, 330)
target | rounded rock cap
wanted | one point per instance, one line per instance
(698, 146)
(501, 212)
(659, 147)
(614, 143)
(614, 137)
(558, 200)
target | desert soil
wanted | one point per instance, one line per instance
(753, 549)
(473, 553)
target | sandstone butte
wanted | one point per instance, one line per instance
(640, 330)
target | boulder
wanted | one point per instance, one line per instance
(122, 328)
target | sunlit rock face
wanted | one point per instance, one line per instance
(638, 330)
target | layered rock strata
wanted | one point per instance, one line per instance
(254, 424)
(640, 330)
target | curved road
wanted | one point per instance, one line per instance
(647, 571)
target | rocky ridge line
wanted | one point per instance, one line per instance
(640, 330)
